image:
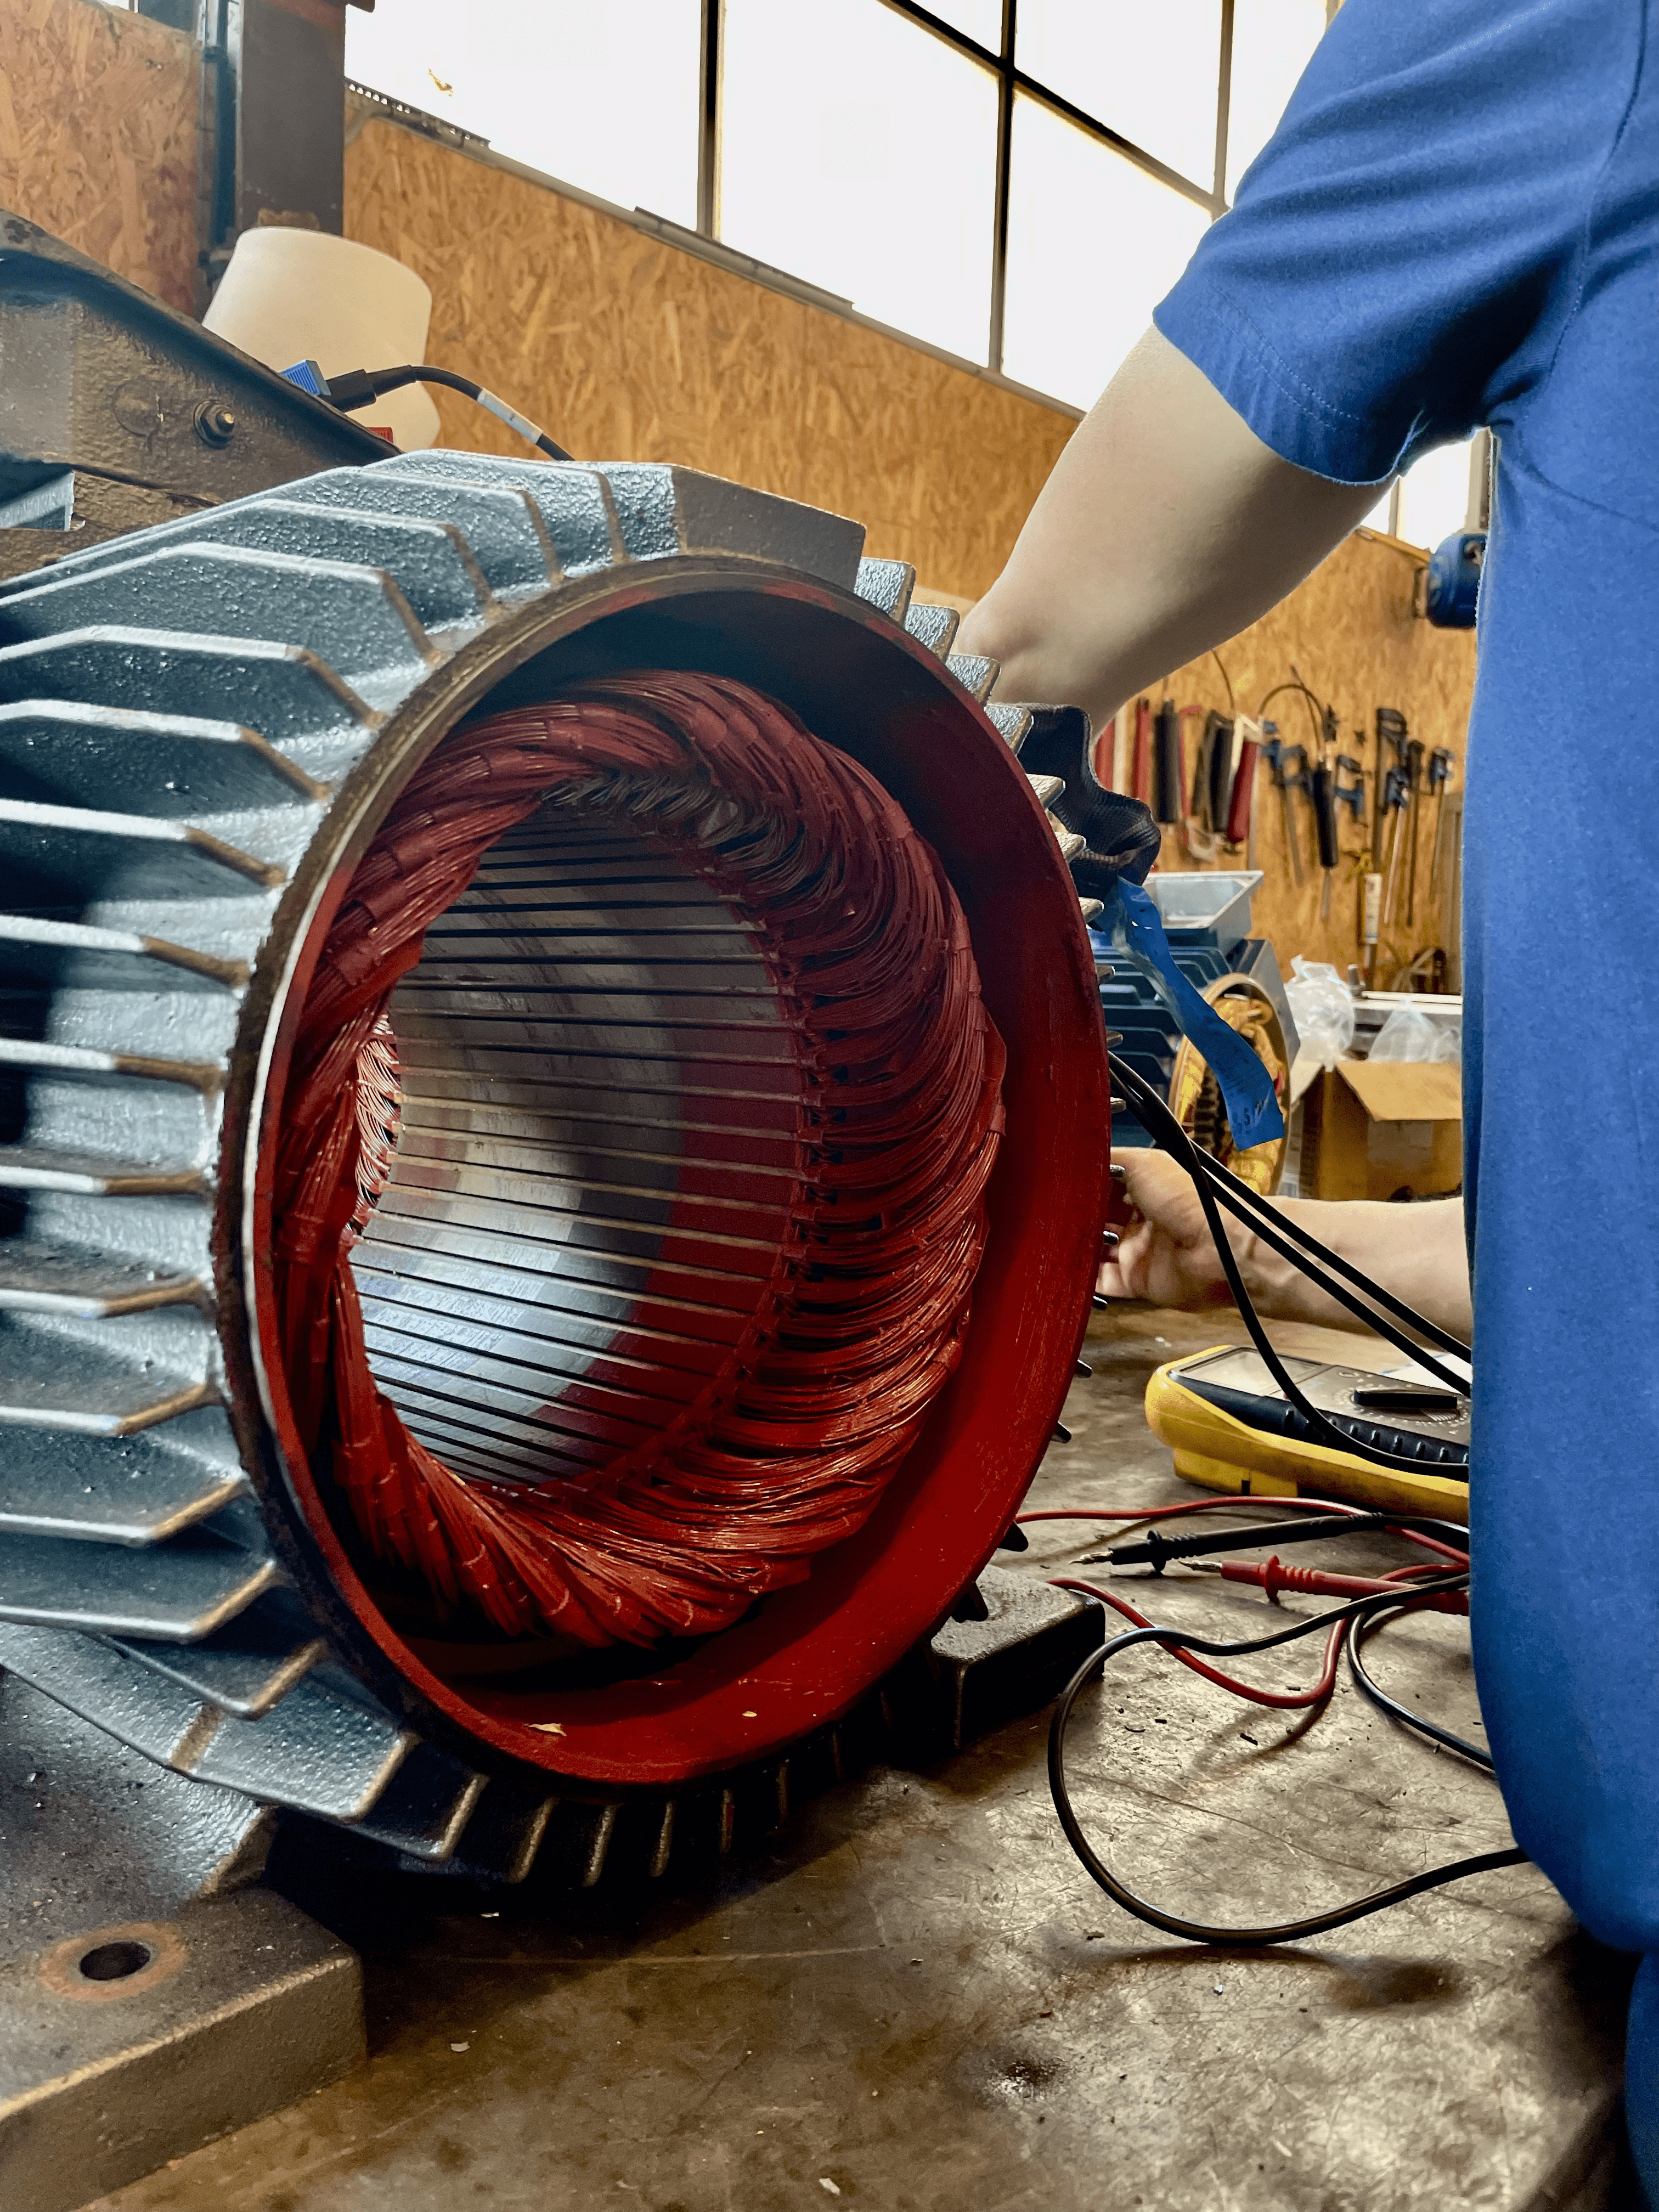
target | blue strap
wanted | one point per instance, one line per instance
(1246, 1090)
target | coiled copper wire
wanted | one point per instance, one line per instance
(896, 1077)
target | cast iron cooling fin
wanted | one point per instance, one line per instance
(202, 728)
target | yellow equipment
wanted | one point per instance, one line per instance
(1230, 1428)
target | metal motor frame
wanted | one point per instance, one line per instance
(827, 654)
(441, 611)
(233, 629)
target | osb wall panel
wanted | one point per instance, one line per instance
(1350, 631)
(626, 348)
(98, 133)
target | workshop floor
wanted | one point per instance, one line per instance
(914, 1998)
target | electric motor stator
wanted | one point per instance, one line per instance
(579, 1197)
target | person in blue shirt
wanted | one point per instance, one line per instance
(1457, 223)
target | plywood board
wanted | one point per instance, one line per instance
(628, 348)
(625, 346)
(1350, 630)
(99, 113)
(1404, 1089)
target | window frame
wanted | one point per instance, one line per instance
(1011, 80)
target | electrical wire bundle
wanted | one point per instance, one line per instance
(1442, 1586)
(353, 389)
(896, 1076)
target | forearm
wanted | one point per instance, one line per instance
(1166, 526)
(1417, 1252)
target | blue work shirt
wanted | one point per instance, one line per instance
(1457, 223)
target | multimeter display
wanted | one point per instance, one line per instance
(1231, 1428)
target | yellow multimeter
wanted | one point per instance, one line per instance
(1230, 1427)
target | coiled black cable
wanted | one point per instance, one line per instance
(355, 389)
(1392, 1706)
(1388, 1315)
(1286, 1931)
(1161, 1125)
(1253, 1209)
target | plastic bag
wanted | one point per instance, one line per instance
(1321, 1006)
(1409, 1034)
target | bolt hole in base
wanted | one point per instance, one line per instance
(105, 1965)
(113, 1962)
(567, 1237)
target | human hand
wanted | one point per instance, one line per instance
(1167, 1256)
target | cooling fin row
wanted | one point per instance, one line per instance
(177, 710)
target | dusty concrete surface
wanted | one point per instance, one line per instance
(917, 1999)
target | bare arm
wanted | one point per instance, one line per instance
(1166, 526)
(1169, 1258)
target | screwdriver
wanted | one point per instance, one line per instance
(1394, 798)
(1320, 781)
(1441, 763)
(1413, 784)
(1324, 789)
(1140, 758)
(1390, 731)
(1279, 759)
(1239, 806)
(1220, 743)
(1170, 780)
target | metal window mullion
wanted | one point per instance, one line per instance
(1224, 104)
(709, 129)
(1017, 80)
(1103, 133)
(1005, 170)
(924, 19)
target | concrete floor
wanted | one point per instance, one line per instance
(917, 1999)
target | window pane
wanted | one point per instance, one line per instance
(1148, 71)
(981, 19)
(858, 151)
(1434, 496)
(607, 98)
(1094, 243)
(1272, 41)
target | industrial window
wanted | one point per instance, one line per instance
(1272, 40)
(1152, 74)
(875, 177)
(1436, 496)
(605, 97)
(1016, 181)
(1093, 245)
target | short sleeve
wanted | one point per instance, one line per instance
(1403, 253)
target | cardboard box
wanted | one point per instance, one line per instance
(1374, 1129)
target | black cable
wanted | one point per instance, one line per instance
(357, 388)
(1232, 704)
(1289, 1932)
(1324, 1429)
(1156, 1549)
(1403, 1714)
(1176, 1141)
(1268, 1228)
(1312, 698)
(1225, 1179)
(1217, 1188)
(1257, 1215)
(1278, 1231)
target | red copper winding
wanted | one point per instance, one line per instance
(897, 1079)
